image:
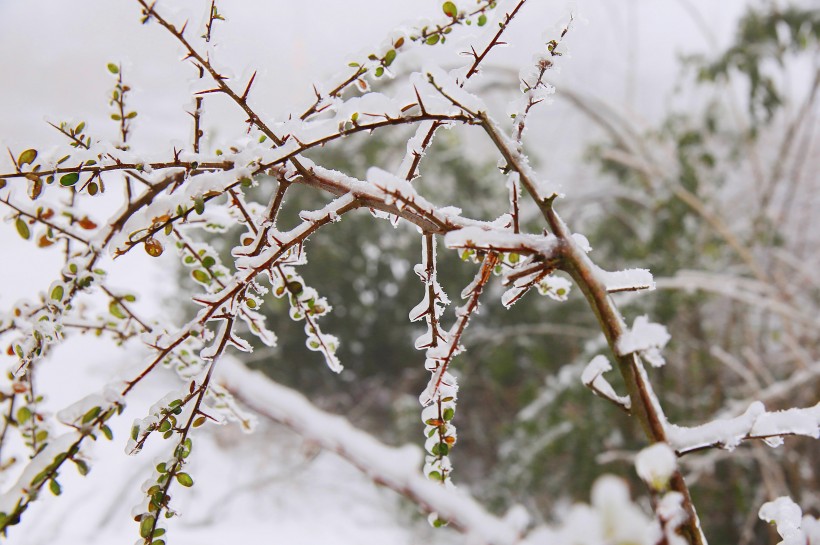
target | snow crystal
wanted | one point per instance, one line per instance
(74, 412)
(727, 432)
(498, 239)
(19, 491)
(627, 280)
(791, 421)
(593, 377)
(582, 242)
(371, 104)
(755, 422)
(455, 92)
(656, 464)
(787, 516)
(645, 337)
(670, 509)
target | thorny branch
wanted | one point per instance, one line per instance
(264, 250)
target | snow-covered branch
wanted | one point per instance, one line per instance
(395, 468)
(755, 423)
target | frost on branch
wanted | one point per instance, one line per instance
(179, 198)
(755, 423)
(655, 465)
(646, 338)
(794, 527)
(593, 378)
(627, 280)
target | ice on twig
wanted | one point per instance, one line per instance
(787, 516)
(501, 240)
(593, 377)
(656, 464)
(755, 423)
(645, 337)
(627, 280)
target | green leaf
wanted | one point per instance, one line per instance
(199, 205)
(116, 117)
(82, 467)
(146, 526)
(185, 480)
(208, 261)
(199, 421)
(115, 310)
(54, 486)
(379, 71)
(482, 20)
(40, 477)
(108, 433)
(448, 414)
(22, 228)
(57, 293)
(114, 69)
(23, 415)
(449, 9)
(67, 180)
(91, 415)
(80, 127)
(27, 157)
(389, 57)
(295, 287)
(131, 115)
(201, 276)
(433, 39)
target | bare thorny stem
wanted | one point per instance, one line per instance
(575, 262)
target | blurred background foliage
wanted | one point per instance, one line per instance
(727, 189)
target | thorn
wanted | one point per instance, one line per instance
(421, 104)
(248, 88)
(206, 415)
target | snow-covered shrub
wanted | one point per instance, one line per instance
(187, 198)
